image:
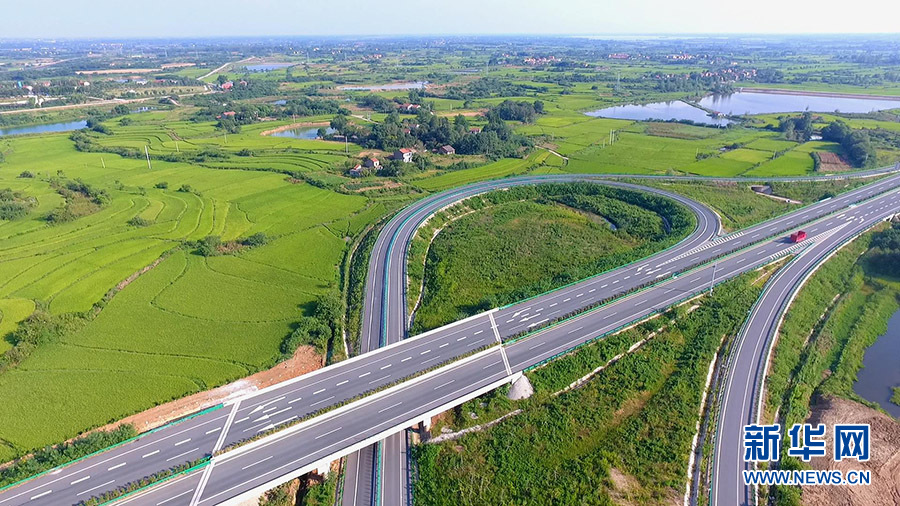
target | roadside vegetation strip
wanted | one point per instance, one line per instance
(138, 486)
(63, 455)
(557, 448)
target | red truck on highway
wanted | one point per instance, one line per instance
(798, 236)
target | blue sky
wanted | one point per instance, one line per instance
(204, 18)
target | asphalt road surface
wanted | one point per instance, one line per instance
(237, 472)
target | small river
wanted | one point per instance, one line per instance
(43, 129)
(881, 369)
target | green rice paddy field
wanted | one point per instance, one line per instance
(186, 325)
(190, 322)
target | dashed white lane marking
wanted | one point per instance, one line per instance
(79, 480)
(186, 492)
(116, 466)
(323, 400)
(154, 452)
(182, 454)
(42, 494)
(363, 375)
(337, 385)
(317, 392)
(385, 367)
(242, 419)
(110, 482)
(257, 462)
(424, 352)
(390, 407)
(380, 379)
(537, 345)
(479, 332)
(445, 384)
(405, 359)
(604, 286)
(443, 345)
(220, 428)
(320, 436)
(182, 442)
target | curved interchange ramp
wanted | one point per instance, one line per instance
(479, 363)
(379, 474)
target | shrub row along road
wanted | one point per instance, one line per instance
(253, 467)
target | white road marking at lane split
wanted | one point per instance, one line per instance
(502, 349)
(204, 478)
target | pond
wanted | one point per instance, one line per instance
(881, 369)
(745, 102)
(43, 129)
(308, 134)
(417, 85)
(267, 67)
(664, 111)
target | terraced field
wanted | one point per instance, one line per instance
(187, 324)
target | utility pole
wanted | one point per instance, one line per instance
(176, 147)
(147, 152)
(102, 162)
(713, 280)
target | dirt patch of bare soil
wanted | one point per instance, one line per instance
(386, 185)
(884, 462)
(304, 360)
(832, 162)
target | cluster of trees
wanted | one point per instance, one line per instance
(884, 255)
(81, 199)
(495, 140)
(305, 106)
(14, 204)
(857, 144)
(519, 111)
(212, 245)
(797, 128)
(492, 87)
(316, 330)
